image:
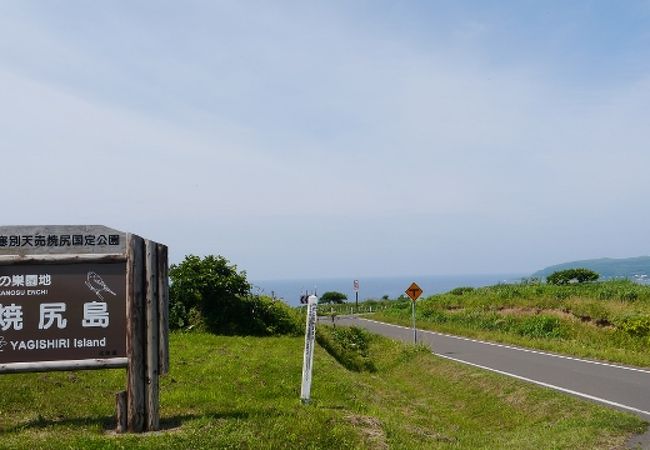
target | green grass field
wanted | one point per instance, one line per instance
(607, 321)
(236, 392)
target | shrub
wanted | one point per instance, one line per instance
(630, 295)
(569, 276)
(561, 294)
(461, 290)
(541, 326)
(270, 317)
(210, 287)
(210, 294)
(432, 315)
(606, 293)
(638, 326)
(332, 297)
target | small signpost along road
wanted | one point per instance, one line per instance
(414, 291)
(310, 341)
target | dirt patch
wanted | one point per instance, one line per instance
(371, 429)
(559, 313)
(535, 311)
(115, 434)
(639, 441)
(519, 311)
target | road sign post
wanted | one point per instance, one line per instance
(356, 295)
(415, 330)
(414, 291)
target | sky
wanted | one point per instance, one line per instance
(334, 138)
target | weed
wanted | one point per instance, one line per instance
(348, 345)
(605, 320)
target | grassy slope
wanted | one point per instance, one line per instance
(595, 321)
(230, 392)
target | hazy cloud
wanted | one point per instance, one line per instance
(329, 139)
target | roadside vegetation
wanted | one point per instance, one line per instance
(605, 320)
(210, 294)
(234, 382)
(350, 346)
(332, 297)
(237, 392)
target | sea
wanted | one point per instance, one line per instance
(375, 287)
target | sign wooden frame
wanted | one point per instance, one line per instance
(147, 306)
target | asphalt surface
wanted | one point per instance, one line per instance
(621, 387)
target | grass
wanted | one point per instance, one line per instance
(607, 321)
(242, 392)
(350, 346)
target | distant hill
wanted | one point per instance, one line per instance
(606, 267)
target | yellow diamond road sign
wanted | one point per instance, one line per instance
(414, 291)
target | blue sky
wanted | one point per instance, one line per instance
(324, 139)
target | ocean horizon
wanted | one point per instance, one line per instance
(290, 290)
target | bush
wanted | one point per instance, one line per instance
(569, 276)
(541, 326)
(209, 289)
(630, 295)
(461, 290)
(606, 293)
(332, 297)
(270, 317)
(638, 326)
(210, 294)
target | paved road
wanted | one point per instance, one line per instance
(625, 388)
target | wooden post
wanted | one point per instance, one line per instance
(120, 411)
(152, 323)
(135, 336)
(163, 310)
(147, 333)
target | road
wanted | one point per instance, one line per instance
(621, 387)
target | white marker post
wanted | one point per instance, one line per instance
(308, 359)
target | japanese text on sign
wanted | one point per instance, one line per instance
(95, 314)
(62, 312)
(59, 240)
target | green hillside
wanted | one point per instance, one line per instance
(607, 320)
(231, 392)
(606, 267)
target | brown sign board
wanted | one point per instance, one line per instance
(63, 297)
(62, 312)
(25, 240)
(87, 297)
(414, 291)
